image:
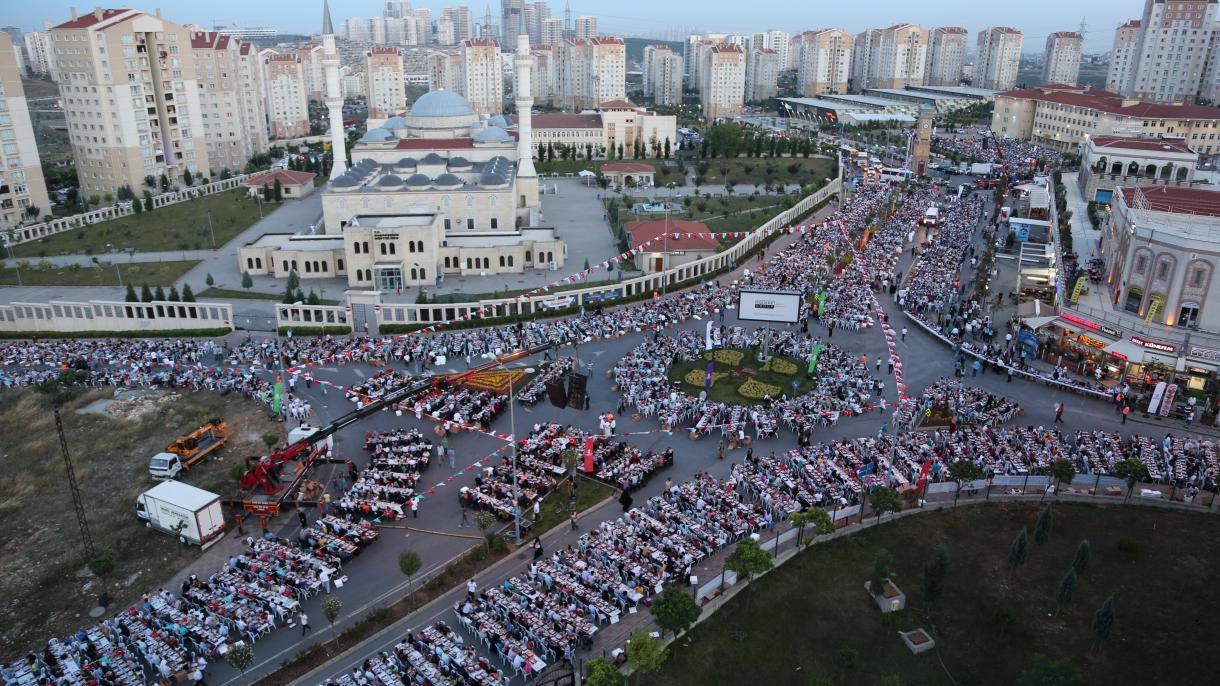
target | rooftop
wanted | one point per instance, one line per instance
(434, 143)
(683, 235)
(286, 177)
(627, 167)
(1177, 145)
(1113, 103)
(565, 121)
(617, 105)
(1175, 200)
(97, 16)
(296, 241)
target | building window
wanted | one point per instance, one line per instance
(1188, 316)
(285, 269)
(325, 267)
(1196, 277)
(1135, 297)
(470, 224)
(1162, 271)
(1141, 264)
(249, 263)
(448, 225)
(501, 260)
(495, 223)
(528, 256)
(339, 265)
(510, 260)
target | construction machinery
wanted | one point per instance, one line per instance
(188, 450)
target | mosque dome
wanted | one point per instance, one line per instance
(441, 103)
(493, 134)
(419, 181)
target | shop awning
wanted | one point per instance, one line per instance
(1127, 349)
(1036, 323)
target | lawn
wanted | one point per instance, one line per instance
(40, 548)
(810, 621)
(233, 294)
(183, 226)
(556, 507)
(762, 171)
(739, 378)
(135, 273)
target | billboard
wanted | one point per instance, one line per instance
(768, 306)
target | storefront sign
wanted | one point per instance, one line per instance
(1082, 322)
(1155, 345)
(1120, 356)
(1091, 342)
(1205, 353)
(385, 235)
(1109, 331)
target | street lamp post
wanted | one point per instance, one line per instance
(665, 255)
(212, 232)
(16, 267)
(512, 432)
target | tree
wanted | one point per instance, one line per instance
(164, 183)
(728, 139)
(131, 296)
(1083, 553)
(1063, 471)
(881, 572)
(962, 471)
(137, 206)
(289, 297)
(815, 516)
(146, 294)
(644, 653)
(188, 296)
(749, 559)
(277, 191)
(1018, 550)
(600, 671)
(240, 656)
(1043, 524)
(1047, 672)
(409, 563)
(148, 201)
(312, 298)
(934, 575)
(541, 152)
(1103, 622)
(294, 280)
(246, 280)
(1133, 470)
(884, 499)
(485, 520)
(675, 610)
(1067, 586)
(186, 177)
(159, 294)
(331, 607)
(666, 147)
(173, 295)
(210, 281)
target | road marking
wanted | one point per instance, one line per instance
(359, 373)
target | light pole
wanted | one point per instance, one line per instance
(213, 233)
(665, 255)
(8, 237)
(512, 433)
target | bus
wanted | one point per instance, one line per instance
(892, 174)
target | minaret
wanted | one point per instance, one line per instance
(523, 62)
(334, 95)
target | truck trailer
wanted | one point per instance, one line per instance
(182, 510)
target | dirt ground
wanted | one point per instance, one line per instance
(45, 588)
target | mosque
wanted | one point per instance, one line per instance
(440, 190)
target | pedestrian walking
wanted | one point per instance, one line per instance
(471, 588)
(1059, 407)
(537, 546)
(537, 509)
(415, 507)
(572, 521)
(303, 519)
(465, 519)
(304, 621)
(720, 450)
(1126, 411)
(452, 457)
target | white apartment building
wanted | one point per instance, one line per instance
(722, 83)
(311, 68)
(232, 101)
(23, 191)
(480, 75)
(384, 86)
(38, 52)
(130, 98)
(351, 83)
(1063, 51)
(586, 27)
(592, 71)
(663, 75)
(893, 57)
(287, 94)
(999, 57)
(463, 25)
(946, 55)
(823, 61)
(1163, 56)
(532, 16)
(762, 74)
(551, 31)
(779, 41)
(446, 33)
(356, 30)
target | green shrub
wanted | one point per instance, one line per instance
(1128, 545)
(101, 565)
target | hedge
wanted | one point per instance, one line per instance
(315, 330)
(186, 333)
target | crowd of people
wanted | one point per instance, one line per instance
(981, 147)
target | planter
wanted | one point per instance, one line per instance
(917, 641)
(454, 429)
(892, 600)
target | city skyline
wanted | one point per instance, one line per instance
(1036, 19)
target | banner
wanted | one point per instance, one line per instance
(707, 378)
(821, 303)
(1171, 392)
(1157, 394)
(589, 455)
(707, 341)
(279, 390)
(923, 476)
(813, 358)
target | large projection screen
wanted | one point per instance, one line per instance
(769, 306)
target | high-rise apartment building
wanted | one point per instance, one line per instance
(779, 41)
(420, 23)
(311, 67)
(823, 61)
(232, 99)
(762, 74)
(446, 33)
(999, 57)
(481, 75)
(287, 94)
(663, 75)
(38, 52)
(551, 32)
(1063, 51)
(592, 71)
(1168, 62)
(511, 21)
(946, 55)
(544, 73)
(463, 25)
(892, 57)
(722, 80)
(23, 191)
(586, 27)
(383, 83)
(532, 16)
(356, 30)
(130, 98)
(1122, 57)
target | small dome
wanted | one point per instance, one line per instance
(441, 103)
(346, 181)
(498, 121)
(492, 179)
(376, 136)
(432, 158)
(459, 163)
(405, 163)
(493, 134)
(366, 164)
(390, 181)
(419, 181)
(447, 180)
(394, 123)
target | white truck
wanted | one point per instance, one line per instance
(981, 169)
(182, 510)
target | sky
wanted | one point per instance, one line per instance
(1035, 18)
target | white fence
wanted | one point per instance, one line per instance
(415, 313)
(104, 316)
(32, 232)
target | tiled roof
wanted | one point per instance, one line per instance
(566, 121)
(1107, 101)
(616, 105)
(643, 231)
(1177, 200)
(628, 167)
(1151, 144)
(88, 19)
(286, 177)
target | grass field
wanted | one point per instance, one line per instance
(183, 226)
(135, 273)
(731, 373)
(811, 622)
(40, 549)
(761, 171)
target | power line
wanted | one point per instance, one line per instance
(77, 502)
